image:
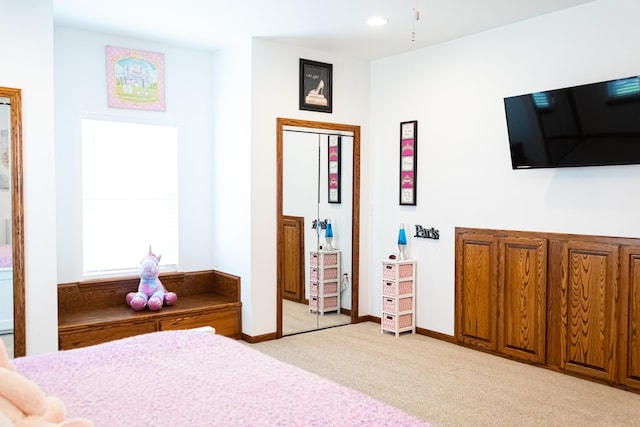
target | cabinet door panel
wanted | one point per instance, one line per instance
(522, 298)
(226, 322)
(101, 334)
(589, 309)
(476, 290)
(630, 318)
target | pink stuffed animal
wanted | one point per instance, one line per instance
(23, 403)
(151, 293)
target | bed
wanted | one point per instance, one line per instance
(196, 378)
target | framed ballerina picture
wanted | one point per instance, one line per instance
(408, 162)
(316, 86)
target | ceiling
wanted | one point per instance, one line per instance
(333, 25)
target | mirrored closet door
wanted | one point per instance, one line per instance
(316, 228)
(12, 289)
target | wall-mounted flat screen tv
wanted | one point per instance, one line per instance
(590, 125)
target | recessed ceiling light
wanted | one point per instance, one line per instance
(377, 21)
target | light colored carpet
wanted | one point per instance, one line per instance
(297, 318)
(450, 385)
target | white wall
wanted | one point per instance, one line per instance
(27, 63)
(80, 86)
(455, 91)
(274, 84)
(231, 164)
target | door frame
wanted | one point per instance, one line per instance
(355, 210)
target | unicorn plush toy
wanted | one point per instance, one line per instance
(151, 293)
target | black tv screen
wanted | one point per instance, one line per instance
(590, 125)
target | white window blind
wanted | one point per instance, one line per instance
(129, 195)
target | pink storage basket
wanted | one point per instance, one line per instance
(389, 289)
(404, 287)
(327, 302)
(331, 287)
(330, 302)
(404, 321)
(405, 270)
(330, 273)
(404, 304)
(330, 259)
(389, 305)
(313, 289)
(324, 274)
(388, 271)
(313, 259)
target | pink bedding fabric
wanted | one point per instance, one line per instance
(5, 256)
(190, 378)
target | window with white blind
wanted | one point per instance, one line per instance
(129, 196)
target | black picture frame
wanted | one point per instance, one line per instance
(316, 86)
(408, 162)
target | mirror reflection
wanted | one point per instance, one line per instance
(6, 268)
(317, 209)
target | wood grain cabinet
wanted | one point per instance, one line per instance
(522, 290)
(476, 286)
(629, 354)
(589, 309)
(501, 294)
(95, 312)
(569, 302)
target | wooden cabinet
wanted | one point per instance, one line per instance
(96, 312)
(629, 354)
(522, 290)
(476, 302)
(589, 309)
(570, 302)
(324, 286)
(501, 294)
(398, 296)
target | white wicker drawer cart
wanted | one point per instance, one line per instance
(398, 296)
(324, 281)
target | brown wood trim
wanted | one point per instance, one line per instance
(355, 214)
(17, 226)
(587, 238)
(259, 338)
(437, 335)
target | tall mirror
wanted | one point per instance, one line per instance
(12, 318)
(318, 225)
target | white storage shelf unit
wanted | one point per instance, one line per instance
(398, 296)
(324, 287)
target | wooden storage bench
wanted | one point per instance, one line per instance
(96, 311)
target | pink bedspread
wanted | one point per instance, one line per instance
(190, 378)
(5, 256)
